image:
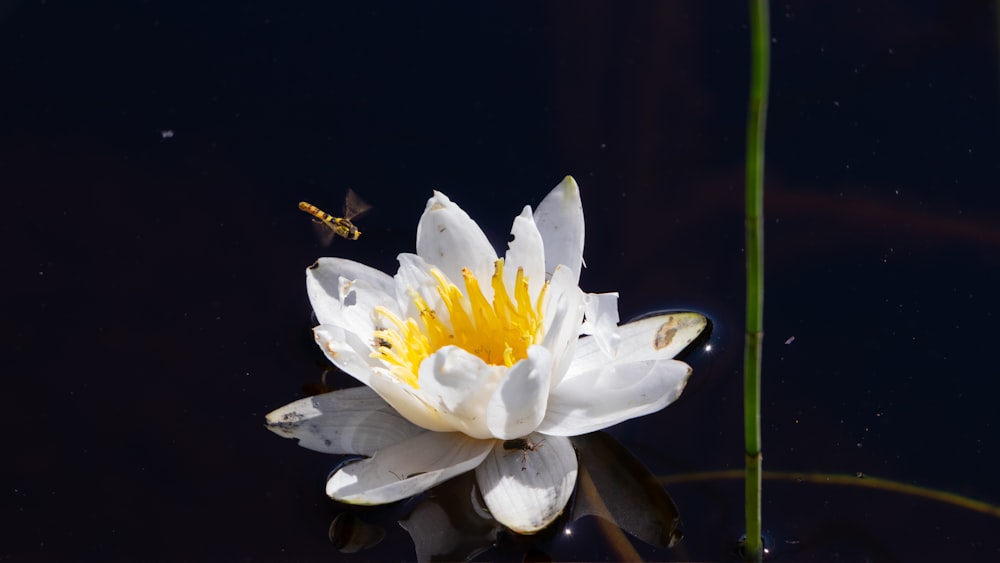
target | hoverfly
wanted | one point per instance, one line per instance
(354, 207)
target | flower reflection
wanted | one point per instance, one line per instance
(351, 534)
(450, 523)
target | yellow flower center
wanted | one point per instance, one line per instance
(499, 332)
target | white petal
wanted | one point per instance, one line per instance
(526, 490)
(518, 404)
(409, 402)
(606, 396)
(326, 271)
(407, 468)
(459, 385)
(450, 240)
(347, 351)
(563, 320)
(414, 275)
(560, 221)
(324, 284)
(358, 300)
(348, 421)
(525, 251)
(352, 355)
(600, 318)
(652, 338)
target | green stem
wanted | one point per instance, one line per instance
(760, 44)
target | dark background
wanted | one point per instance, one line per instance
(153, 298)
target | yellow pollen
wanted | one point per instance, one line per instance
(499, 332)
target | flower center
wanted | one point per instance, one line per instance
(499, 332)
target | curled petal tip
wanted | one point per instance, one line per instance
(569, 185)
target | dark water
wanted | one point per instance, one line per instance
(155, 309)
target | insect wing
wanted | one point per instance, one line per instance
(322, 225)
(325, 231)
(354, 206)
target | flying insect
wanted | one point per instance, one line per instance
(354, 207)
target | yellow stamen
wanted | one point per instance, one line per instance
(499, 332)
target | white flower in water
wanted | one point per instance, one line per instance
(474, 362)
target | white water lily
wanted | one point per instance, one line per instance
(474, 362)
